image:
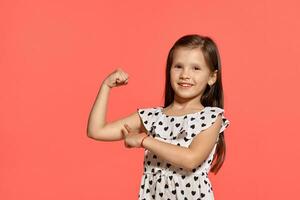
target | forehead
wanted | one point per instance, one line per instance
(186, 55)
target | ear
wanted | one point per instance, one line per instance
(213, 78)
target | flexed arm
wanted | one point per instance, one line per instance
(97, 117)
(97, 127)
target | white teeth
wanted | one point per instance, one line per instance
(185, 85)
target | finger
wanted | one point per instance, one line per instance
(127, 127)
(118, 81)
(125, 75)
(122, 76)
(123, 133)
(119, 78)
(126, 145)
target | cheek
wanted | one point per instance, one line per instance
(201, 82)
(173, 80)
(201, 78)
(173, 76)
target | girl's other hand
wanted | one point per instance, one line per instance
(132, 139)
(116, 78)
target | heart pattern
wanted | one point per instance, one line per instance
(164, 180)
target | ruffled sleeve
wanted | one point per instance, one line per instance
(148, 116)
(206, 119)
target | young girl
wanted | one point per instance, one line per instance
(181, 139)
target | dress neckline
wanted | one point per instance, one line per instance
(185, 115)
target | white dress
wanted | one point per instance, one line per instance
(164, 181)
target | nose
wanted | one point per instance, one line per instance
(184, 73)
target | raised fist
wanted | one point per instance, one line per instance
(116, 78)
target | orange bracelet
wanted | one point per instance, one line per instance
(143, 141)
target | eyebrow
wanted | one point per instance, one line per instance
(179, 63)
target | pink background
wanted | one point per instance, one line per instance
(55, 54)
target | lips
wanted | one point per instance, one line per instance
(185, 84)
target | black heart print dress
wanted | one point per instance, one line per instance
(163, 181)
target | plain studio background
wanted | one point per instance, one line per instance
(55, 54)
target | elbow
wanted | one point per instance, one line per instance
(96, 135)
(91, 134)
(190, 166)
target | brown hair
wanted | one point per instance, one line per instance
(212, 96)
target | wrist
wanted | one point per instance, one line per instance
(104, 84)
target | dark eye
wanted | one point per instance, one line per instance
(197, 68)
(177, 66)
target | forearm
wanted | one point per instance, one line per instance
(173, 154)
(97, 117)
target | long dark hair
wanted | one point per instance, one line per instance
(213, 95)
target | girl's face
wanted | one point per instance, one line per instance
(190, 67)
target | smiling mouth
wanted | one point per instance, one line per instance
(185, 85)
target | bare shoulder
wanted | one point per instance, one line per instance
(112, 131)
